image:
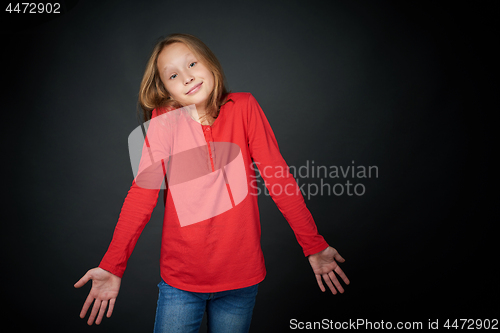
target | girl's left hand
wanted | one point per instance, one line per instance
(324, 265)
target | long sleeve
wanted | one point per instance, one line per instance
(140, 200)
(135, 214)
(279, 181)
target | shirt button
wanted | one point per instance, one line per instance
(208, 129)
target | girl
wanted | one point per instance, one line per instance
(207, 140)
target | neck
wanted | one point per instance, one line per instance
(208, 120)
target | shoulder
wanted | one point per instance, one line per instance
(162, 110)
(241, 100)
(240, 97)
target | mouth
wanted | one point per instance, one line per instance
(194, 89)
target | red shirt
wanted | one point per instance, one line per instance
(211, 226)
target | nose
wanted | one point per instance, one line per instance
(189, 79)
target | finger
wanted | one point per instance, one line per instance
(336, 282)
(329, 283)
(95, 309)
(82, 281)
(338, 257)
(342, 275)
(320, 283)
(102, 310)
(111, 306)
(86, 306)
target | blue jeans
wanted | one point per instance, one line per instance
(182, 311)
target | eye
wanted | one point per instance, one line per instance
(172, 76)
(192, 64)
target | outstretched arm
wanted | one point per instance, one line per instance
(324, 265)
(287, 195)
(105, 288)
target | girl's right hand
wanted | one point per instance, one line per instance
(105, 288)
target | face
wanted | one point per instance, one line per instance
(186, 79)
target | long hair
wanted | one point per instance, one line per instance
(152, 93)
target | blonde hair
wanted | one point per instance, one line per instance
(152, 93)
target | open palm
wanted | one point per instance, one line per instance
(105, 288)
(324, 265)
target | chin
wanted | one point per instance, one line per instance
(199, 100)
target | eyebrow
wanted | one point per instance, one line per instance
(185, 57)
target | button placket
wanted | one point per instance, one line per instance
(210, 146)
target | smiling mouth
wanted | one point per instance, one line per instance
(194, 89)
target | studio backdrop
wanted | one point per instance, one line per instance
(382, 110)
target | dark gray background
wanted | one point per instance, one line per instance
(406, 87)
